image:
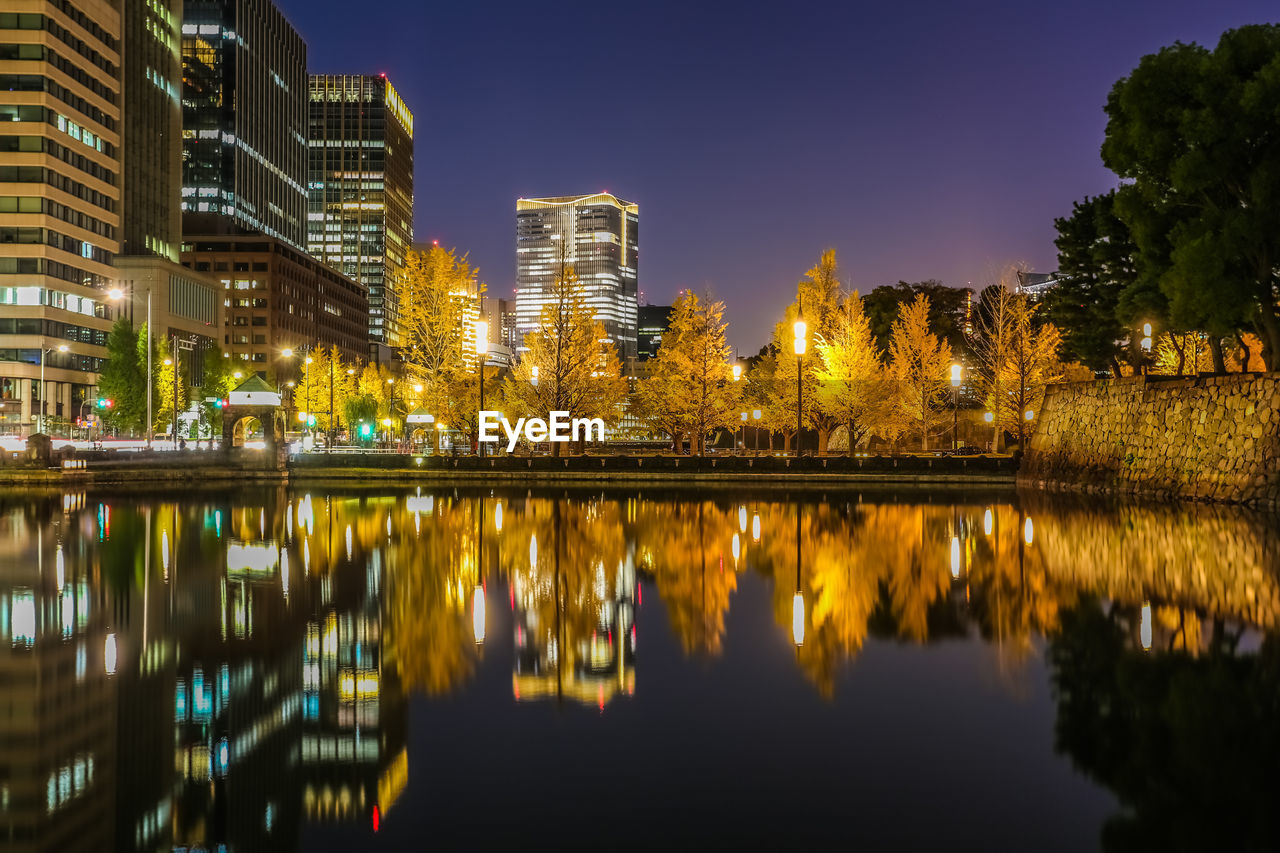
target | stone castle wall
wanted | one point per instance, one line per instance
(1211, 438)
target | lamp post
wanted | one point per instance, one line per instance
(391, 409)
(43, 400)
(178, 346)
(482, 352)
(755, 415)
(955, 405)
(114, 294)
(799, 329)
(744, 433)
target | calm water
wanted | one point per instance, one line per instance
(440, 668)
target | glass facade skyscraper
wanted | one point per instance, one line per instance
(244, 120)
(360, 188)
(152, 127)
(600, 234)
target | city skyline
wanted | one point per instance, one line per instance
(902, 97)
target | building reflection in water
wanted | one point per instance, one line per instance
(224, 669)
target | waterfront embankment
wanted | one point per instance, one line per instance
(373, 469)
(1209, 438)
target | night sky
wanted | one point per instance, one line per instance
(920, 139)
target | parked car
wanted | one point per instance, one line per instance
(967, 450)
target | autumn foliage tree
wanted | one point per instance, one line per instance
(691, 389)
(817, 301)
(851, 386)
(569, 365)
(918, 363)
(438, 290)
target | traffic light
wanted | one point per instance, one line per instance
(104, 403)
(366, 430)
(311, 420)
(219, 403)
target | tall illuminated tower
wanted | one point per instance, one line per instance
(244, 102)
(360, 188)
(599, 235)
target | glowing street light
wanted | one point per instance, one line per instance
(799, 329)
(737, 372)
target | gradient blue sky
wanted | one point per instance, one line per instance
(920, 139)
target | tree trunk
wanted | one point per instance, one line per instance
(1269, 331)
(786, 439)
(849, 426)
(1215, 349)
(824, 436)
(924, 436)
(1181, 351)
(1246, 354)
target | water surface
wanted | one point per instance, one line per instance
(397, 669)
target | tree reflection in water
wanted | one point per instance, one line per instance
(286, 623)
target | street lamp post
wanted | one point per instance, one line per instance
(955, 406)
(737, 376)
(755, 415)
(482, 352)
(799, 329)
(43, 396)
(117, 293)
(391, 410)
(178, 346)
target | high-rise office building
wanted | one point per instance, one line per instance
(597, 235)
(653, 324)
(152, 129)
(182, 304)
(59, 204)
(360, 188)
(244, 120)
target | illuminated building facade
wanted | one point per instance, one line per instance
(244, 120)
(653, 324)
(360, 188)
(275, 296)
(60, 204)
(182, 303)
(598, 235)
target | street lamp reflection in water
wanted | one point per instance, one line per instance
(797, 618)
(477, 614)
